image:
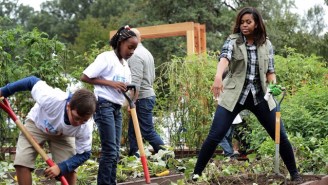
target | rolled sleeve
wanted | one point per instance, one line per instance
(72, 163)
(227, 49)
(271, 58)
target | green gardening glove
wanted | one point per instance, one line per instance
(275, 89)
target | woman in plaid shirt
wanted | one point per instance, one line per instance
(247, 54)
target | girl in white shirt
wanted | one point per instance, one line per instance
(110, 74)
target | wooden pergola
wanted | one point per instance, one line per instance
(195, 34)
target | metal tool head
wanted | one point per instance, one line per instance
(133, 88)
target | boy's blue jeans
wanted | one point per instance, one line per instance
(222, 122)
(144, 109)
(108, 118)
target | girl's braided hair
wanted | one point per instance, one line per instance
(122, 34)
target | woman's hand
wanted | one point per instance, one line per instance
(217, 86)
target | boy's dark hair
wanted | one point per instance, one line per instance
(84, 102)
(259, 32)
(122, 34)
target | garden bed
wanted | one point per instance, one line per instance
(166, 180)
(250, 179)
(322, 181)
(246, 179)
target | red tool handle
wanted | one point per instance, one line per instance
(140, 144)
(4, 104)
(6, 107)
(61, 178)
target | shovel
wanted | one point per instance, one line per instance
(138, 134)
(277, 173)
(4, 104)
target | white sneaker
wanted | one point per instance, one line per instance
(194, 177)
(236, 152)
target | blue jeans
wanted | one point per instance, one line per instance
(226, 142)
(222, 122)
(108, 118)
(144, 109)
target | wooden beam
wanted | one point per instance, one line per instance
(195, 34)
(162, 31)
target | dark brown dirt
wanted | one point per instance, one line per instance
(247, 179)
(262, 180)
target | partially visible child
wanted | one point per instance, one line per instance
(226, 142)
(110, 74)
(58, 118)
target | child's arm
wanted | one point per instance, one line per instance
(97, 81)
(72, 163)
(25, 84)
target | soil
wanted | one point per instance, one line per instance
(250, 179)
(247, 179)
(263, 180)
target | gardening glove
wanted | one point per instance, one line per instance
(275, 89)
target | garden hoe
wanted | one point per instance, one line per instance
(4, 104)
(276, 90)
(136, 127)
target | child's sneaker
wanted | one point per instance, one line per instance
(236, 152)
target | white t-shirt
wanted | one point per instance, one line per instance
(48, 116)
(107, 66)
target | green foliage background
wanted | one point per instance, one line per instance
(58, 42)
(185, 105)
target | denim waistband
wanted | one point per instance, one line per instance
(149, 97)
(102, 101)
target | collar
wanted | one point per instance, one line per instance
(242, 39)
(66, 119)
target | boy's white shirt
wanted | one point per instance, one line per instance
(107, 66)
(48, 116)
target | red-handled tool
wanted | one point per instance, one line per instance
(138, 133)
(4, 104)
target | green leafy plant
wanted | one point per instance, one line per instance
(87, 173)
(306, 112)
(185, 103)
(5, 176)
